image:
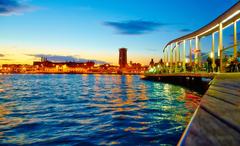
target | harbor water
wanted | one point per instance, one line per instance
(92, 110)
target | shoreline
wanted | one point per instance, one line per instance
(97, 73)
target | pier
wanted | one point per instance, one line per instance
(176, 77)
(216, 121)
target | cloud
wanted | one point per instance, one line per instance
(60, 58)
(185, 30)
(14, 7)
(134, 27)
(2, 58)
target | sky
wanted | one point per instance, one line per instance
(80, 30)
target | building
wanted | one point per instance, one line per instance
(123, 57)
(16, 68)
(74, 67)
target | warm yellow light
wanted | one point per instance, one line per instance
(230, 17)
(209, 30)
(211, 54)
(64, 66)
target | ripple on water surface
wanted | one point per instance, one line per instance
(92, 110)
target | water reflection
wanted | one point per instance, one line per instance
(7, 123)
(92, 109)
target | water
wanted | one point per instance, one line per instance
(92, 110)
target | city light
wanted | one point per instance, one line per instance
(211, 55)
(47, 66)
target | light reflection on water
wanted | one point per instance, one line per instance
(92, 110)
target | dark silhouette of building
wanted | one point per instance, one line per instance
(151, 63)
(43, 59)
(123, 57)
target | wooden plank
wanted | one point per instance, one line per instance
(228, 113)
(224, 85)
(227, 80)
(225, 90)
(207, 130)
(233, 99)
(231, 83)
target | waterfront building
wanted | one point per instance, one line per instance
(71, 67)
(136, 68)
(123, 58)
(16, 68)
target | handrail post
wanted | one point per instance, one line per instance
(199, 53)
(220, 46)
(171, 57)
(190, 53)
(176, 56)
(164, 57)
(235, 39)
(213, 52)
(179, 54)
(184, 56)
(167, 54)
(195, 53)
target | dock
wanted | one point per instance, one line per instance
(188, 80)
(217, 119)
(196, 75)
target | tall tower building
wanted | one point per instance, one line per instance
(122, 57)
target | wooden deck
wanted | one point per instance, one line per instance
(217, 119)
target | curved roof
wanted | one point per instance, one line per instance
(226, 18)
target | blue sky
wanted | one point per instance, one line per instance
(95, 29)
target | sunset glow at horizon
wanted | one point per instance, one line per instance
(75, 30)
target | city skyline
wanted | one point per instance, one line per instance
(95, 30)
